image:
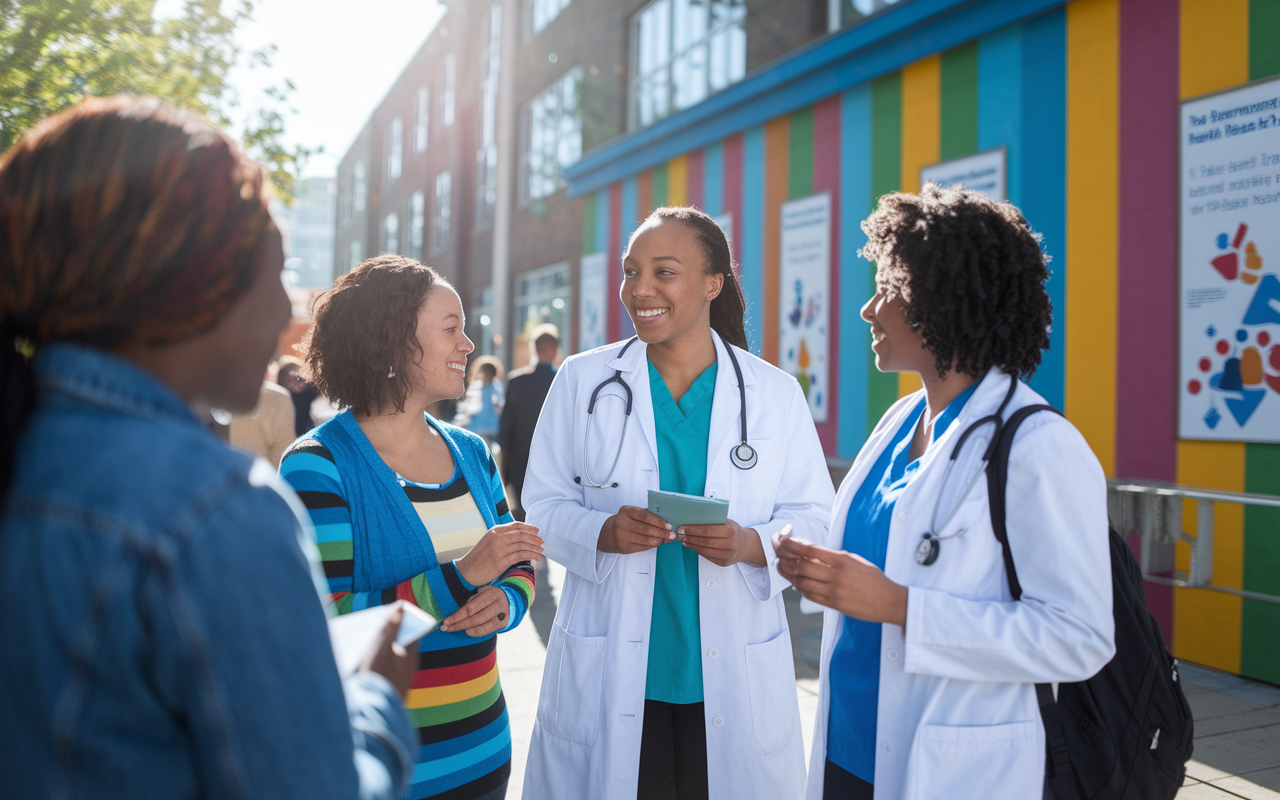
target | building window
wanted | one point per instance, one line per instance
(551, 136)
(447, 82)
(356, 255)
(345, 198)
(685, 50)
(541, 295)
(417, 219)
(391, 233)
(487, 154)
(395, 149)
(443, 210)
(421, 120)
(361, 181)
(852, 11)
(539, 13)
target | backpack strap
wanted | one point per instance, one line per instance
(1058, 768)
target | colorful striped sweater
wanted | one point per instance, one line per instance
(456, 702)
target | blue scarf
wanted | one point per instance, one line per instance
(390, 544)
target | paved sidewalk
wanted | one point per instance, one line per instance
(1237, 749)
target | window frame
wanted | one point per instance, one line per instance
(442, 213)
(422, 119)
(525, 163)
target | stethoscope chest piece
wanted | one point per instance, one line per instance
(927, 550)
(744, 456)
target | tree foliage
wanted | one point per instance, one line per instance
(53, 53)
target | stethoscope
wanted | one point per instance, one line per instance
(930, 543)
(742, 455)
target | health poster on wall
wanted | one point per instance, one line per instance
(1229, 362)
(805, 297)
(983, 172)
(594, 294)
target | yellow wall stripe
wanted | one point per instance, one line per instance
(921, 143)
(678, 181)
(1093, 81)
(1207, 625)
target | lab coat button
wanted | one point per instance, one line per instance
(711, 583)
(718, 722)
(892, 655)
(714, 653)
(886, 748)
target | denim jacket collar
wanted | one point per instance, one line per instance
(100, 379)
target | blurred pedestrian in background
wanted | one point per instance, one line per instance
(303, 392)
(526, 392)
(481, 410)
(164, 635)
(412, 508)
(268, 429)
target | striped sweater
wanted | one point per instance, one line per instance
(456, 702)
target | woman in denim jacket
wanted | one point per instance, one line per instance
(163, 636)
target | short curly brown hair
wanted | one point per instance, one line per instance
(365, 333)
(970, 274)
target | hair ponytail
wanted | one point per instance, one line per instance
(729, 308)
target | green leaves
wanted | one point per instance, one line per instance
(54, 53)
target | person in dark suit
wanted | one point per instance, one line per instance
(526, 391)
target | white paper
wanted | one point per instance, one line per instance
(354, 634)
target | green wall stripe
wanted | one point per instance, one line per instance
(1260, 634)
(959, 102)
(886, 175)
(659, 197)
(800, 155)
(588, 224)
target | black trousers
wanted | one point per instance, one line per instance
(839, 783)
(673, 752)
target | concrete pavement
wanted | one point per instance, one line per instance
(1237, 749)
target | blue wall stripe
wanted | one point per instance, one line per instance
(751, 228)
(855, 272)
(625, 227)
(713, 179)
(602, 224)
(1000, 101)
(1044, 176)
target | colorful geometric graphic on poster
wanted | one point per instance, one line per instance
(1229, 362)
(983, 172)
(805, 297)
(594, 288)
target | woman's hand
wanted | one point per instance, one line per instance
(841, 581)
(499, 550)
(487, 611)
(390, 660)
(725, 544)
(632, 530)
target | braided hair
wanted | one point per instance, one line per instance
(729, 308)
(124, 221)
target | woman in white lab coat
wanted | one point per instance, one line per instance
(928, 664)
(669, 671)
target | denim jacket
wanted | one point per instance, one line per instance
(161, 633)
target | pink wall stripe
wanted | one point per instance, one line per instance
(826, 178)
(732, 191)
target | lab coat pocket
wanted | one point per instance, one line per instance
(775, 712)
(1004, 761)
(576, 670)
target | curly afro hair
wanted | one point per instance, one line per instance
(365, 334)
(970, 275)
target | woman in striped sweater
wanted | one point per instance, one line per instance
(407, 507)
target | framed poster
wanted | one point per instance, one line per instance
(983, 172)
(804, 297)
(593, 301)
(1229, 293)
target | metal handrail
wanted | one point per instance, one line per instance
(1154, 511)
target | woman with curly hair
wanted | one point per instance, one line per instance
(929, 665)
(407, 507)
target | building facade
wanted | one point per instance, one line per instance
(824, 107)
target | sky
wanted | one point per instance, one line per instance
(341, 56)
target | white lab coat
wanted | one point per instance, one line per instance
(586, 740)
(957, 713)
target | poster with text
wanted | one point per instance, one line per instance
(594, 293)
(1229, 303)
(805, 297)
(983, 172)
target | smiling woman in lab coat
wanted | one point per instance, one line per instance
(928, 664)
(669, 671)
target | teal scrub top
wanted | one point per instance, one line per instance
(675, 636)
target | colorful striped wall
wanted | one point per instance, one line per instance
(1083, 99)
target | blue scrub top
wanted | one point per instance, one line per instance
(854, 672)
(675, 634)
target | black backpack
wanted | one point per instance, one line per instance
(1127, 731)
